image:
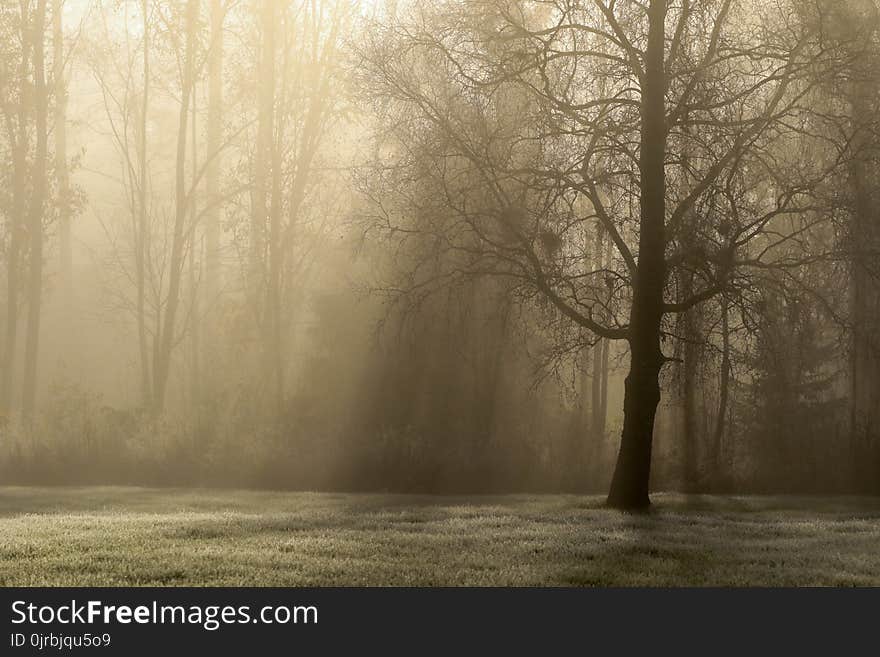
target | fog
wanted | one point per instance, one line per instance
(463, 246)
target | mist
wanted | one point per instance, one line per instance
(458, 247)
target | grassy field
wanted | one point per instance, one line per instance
(135, 536)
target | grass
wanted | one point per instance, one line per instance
(135, 536)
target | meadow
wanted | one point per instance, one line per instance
(109, 536)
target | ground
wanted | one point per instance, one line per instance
(135, 536)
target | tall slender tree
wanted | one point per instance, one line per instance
(213, 197)
(181, 233)
(62, 170)
(37, 206)
(17, 116)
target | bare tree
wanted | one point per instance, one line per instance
(37, 208)
(62, 170)
(214, 141)
(151, 254)
(17, 115)
(724, 99)
(860, 22)
(298, 98)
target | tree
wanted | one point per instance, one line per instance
(181, 235)
(124, 76)
(298, 102)
(149, 255)
(38, 202)
(722, 81)
(17, 115)
(858, 23)
(62, 170)
(213, 197)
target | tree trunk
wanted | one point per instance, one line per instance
(140, 224)
(488, 391)
(597, 425)
(273, 344)
(603, 399)
(13, 265)
(19, 140)
(606, 352)
(601, 417)
(584, 417)
(167, 340)
(691, 354)
(865, 298)
(35, 223)
(214, 137)
(630, 484)
(212, 170)
(61, 169)
(195, 316)
(724, 388)
(263, 155)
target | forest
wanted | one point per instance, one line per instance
(451, 247)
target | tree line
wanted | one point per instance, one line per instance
(549, 244)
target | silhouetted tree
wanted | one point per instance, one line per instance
(728, 99)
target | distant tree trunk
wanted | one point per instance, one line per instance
(597, 425)
(195, 375)
(179, 236)
(488, 388)
(194, 265)
(263, 154)
(273, 340)
(214, 137)
(691, 354)
(724, 388)
(264, 267)
(865, 293)
(18, 138)
(584, 415)
(283, 217)
(61, 169)
(212, 184)
(606, 351)
(603, 406)
(599, 393)
(37, 206)
(141, 223)
(13, 266)
(630, 484)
